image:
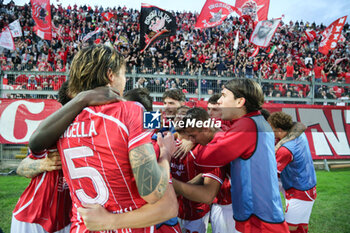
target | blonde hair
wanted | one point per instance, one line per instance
(90, 66)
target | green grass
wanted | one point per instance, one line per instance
(11, 188)
(330, 212)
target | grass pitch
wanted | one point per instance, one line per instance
(330, 213)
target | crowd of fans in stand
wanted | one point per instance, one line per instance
(208, 52)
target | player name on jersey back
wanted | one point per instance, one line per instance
(80, 129)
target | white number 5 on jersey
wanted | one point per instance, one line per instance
(86, 172)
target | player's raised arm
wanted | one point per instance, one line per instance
(54, 126)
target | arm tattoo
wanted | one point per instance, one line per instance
(148, 175)
(29, 168)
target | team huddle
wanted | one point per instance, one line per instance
(94, 167)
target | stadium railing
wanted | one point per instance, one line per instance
(197, 85)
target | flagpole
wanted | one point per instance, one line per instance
(235, 46)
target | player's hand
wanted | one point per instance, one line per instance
(96, 218)
(100, 95)
(166, 145)
(183, 148)
(52, 162)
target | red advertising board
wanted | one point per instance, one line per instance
(328, 129)
(20, 117)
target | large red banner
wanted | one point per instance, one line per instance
(19, 118)
(256, 9)
(213, 14)
(41, 13)
(328, 129)
(331, 35)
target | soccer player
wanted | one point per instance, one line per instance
(172, 100)
(249, 148)
(219, 193)
(221, 210)
(45, 205)
(107, 157)
(97, 218)
(195, 199)
(296, 169)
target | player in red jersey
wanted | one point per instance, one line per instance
(296, 169)
(221, 215)
(97, 218)
(107, 157)
(221, 210)
(195, 199)
(249, 148)
(45, 205)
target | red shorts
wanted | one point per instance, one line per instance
(255, 225)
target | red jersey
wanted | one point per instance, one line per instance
(45, 201)
(184, 170)
(318, 71)
(224, 194)
(290, 71)
(95, 159)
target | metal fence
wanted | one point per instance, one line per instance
(198, 84)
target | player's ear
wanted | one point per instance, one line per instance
(241, 102)
(110, 75)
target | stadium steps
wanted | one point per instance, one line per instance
(332, 164)
(22, 153)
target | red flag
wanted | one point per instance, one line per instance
(257, 9)
(213, 14)
(41, 13)
(6, 39)
(331, 35)
(107, 15)
(310, 34)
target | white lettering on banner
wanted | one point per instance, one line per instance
(342, 19)
(347, 116)
(338, 28)
(8, 118)
(338, 139)
(333, 44)
(292, 112)
(320, 143)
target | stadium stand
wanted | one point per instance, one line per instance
(208, 52)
